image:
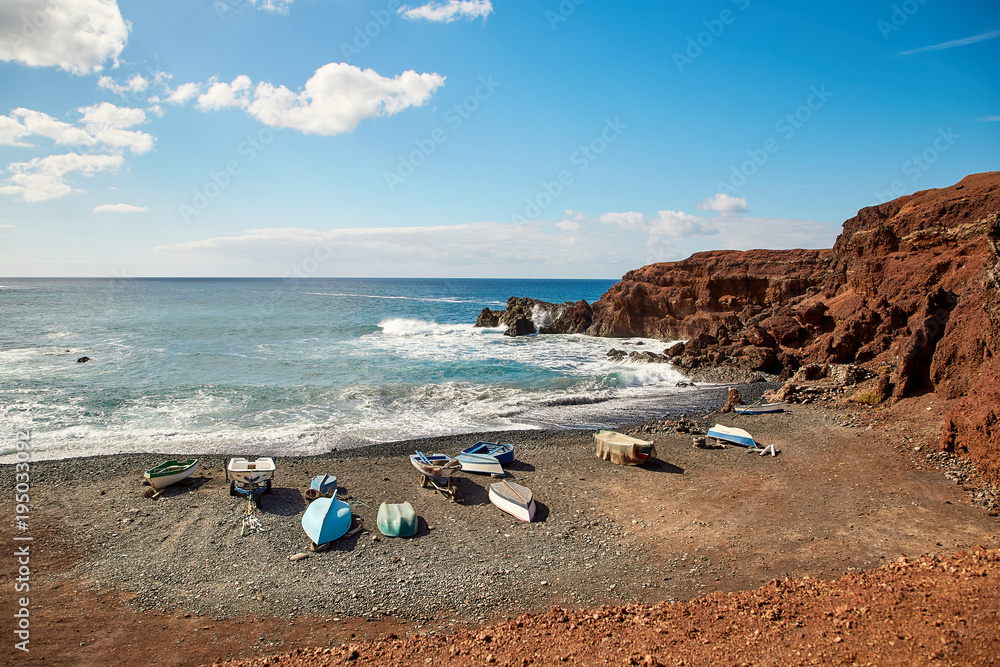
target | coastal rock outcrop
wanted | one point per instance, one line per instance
(526, 316)
(910, 291)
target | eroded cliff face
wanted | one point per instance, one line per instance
(909, 290)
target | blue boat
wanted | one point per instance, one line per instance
(326, 519)
(730, 434)
(322, 485)
(504, 454)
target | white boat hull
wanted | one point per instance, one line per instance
(160, 483)
(523, 508)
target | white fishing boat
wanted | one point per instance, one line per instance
(731, 434)
(516, 500)
(481, 463)
(170, 472)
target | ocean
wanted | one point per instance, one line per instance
(296, 367)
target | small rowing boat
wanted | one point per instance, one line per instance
(622, 449)
(170, 472)
(731, 434)
(326, 519)
(481, 463)
(504, 454)
(514, 499)
(321, 485)
(250, 478)
(437, 470)
(759, 409)
(397, 520)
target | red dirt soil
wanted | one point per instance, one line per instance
(929, 611)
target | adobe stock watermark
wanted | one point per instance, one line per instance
(918, 164)
(218, 181)
(30, 25)
(453, 118)
(786, 127)
(898, 17)
(364, 34)
(564, 10)
(697, 44)
(584, 156)
(22, 540)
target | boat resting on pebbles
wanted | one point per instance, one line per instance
(731, 434)
(325, 520)
(397, 520)
(623, 449)
(481, 463)
(516, 500)
(170, 472)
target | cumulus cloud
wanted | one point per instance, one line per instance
(221, 95)
(446, 12)
(44, 178)
(183, 93)
(74, 35)
(135, 84)
(103, 123)
(120, 208)
(334, 100)
(101, 127)
(725, 204)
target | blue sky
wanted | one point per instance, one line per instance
(464, 138)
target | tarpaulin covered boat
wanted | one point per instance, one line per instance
(623, 449)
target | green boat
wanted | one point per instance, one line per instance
(397, 520)
(170, 472)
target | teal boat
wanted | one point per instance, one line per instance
(326, 519)
(397, 520)
(170, 472)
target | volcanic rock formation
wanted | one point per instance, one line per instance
(910, 290)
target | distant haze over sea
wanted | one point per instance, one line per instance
(295, 367)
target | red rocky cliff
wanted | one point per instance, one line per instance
(909, 290)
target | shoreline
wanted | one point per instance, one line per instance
(701, 399)
(841, 497)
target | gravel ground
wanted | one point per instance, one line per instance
(469, 561)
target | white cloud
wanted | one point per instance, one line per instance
(26, 122)
(989, 119)
(468, 249)
(221, 95)
(102, 124)
(446, 12)
(120, 208)
(135, 84)
(334, 100)
(108, 124)
(41, 179)
(75, 35)
(570, 226)
(183, 93)
(725, 204)
(666, 223)
(277, 6)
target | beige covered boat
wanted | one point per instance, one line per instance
(623, 449)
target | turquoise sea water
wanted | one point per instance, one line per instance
(295, 366)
